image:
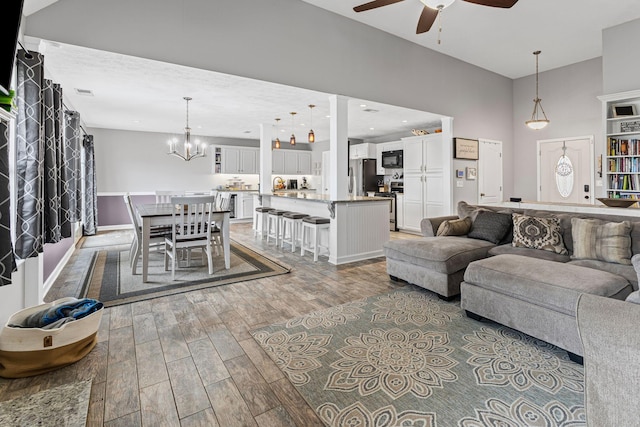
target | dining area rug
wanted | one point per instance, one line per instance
(109, 277)
(408, 358)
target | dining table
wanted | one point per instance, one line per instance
(160, 214)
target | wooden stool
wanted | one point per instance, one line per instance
(274, 225)
(260, 221)
(315, 224)
(292, 221)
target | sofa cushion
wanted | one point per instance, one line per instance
(454, 227)
(538, 233)
(548, 284)
(534, 253)
(626, 271)
(604, 241)
(442, 254)
(490, 226)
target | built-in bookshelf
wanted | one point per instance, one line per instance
(622, 127)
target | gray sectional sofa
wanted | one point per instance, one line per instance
(533, 290)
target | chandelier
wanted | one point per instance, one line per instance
(187, 153)
(536, 121)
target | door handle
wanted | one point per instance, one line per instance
(481, 194)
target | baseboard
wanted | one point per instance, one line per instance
(114, 227)
(56, 272)
(355, 257)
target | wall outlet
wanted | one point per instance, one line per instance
(459, 183)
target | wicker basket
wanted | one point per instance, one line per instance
(32, 351)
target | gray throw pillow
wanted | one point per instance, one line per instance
(490, 226)
(537, 233)
(604, 241)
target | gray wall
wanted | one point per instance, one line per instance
(258, 39)
(569, 97)
(621, 62)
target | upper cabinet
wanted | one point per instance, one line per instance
(362, 151)
(291, 162)
(235, 160)
(621, 113)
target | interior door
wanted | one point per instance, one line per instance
(565, 170)
(490, 172)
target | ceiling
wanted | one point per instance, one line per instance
(138, 94)
(503, 40)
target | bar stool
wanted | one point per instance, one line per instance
(260, 221)
(292, 222)
(274, 225)
(315, 224)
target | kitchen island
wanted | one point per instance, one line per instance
(359, 225)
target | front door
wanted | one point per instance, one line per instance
(565, 170)
(489, 172)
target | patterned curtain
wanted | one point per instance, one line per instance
(7, 260)
(90, 187)
(56, 227)
(29, 155)
(72, 159)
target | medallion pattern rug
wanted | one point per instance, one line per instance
(109, 277)
(408, 359)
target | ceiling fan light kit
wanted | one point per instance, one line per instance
(188, 154)
(537, 122)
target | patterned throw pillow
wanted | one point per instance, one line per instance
(454, 227)
(604, 241)
(490, 226)
(537, 233)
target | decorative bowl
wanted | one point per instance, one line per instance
(617, 203)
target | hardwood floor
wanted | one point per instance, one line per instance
(189, 359)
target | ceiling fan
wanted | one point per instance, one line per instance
(433, 8)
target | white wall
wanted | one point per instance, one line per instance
(621, 61)
(569, 97)
(257, 39)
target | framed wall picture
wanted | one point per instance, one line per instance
(465, 148)
(472, 173)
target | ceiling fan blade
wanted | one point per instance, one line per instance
(374, 4)
(427, 18)
(494, 3)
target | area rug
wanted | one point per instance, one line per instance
(408, 359)
(109, 277)
(65, 405)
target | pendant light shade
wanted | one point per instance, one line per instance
(312, 136)
(292, 140)
(538, 120)
(277, 142)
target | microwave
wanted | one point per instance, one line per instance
(392, 159)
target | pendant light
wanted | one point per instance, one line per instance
(537, 122)
(292, 141)
(312, 136)
(277, 139)
(186, 154)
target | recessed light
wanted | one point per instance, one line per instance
(247, 131)
(136, 121)
(328, 117)
(371, 128)
(199, 126)
(363, 105)
(404, 121)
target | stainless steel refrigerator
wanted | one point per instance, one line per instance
(363, 177)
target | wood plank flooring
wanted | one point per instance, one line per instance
(189, 359)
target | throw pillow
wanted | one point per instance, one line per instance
(454, 227)
(604, 241)
(634, 297)
(537, 233)
(490, 226)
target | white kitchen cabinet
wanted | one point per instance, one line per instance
(244, 205)
(400, 211)
(362, 151)
(237, 160)
(291, 162)
(426, 165)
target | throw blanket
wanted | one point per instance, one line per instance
(57, 315)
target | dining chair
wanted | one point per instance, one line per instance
(163, 196)
(156, 237)
(191, 228)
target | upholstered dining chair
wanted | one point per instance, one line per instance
(191, 228)
(163, 196)
(156, 238)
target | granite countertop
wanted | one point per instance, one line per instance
(226, 190)
(313, 197)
